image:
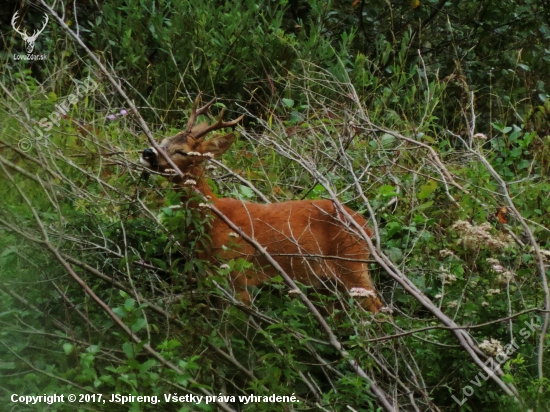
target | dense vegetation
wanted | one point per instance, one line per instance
(430, 118)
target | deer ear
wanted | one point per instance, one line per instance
(218, 145)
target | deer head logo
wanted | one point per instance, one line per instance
(29, 40)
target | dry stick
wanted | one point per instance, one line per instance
(467, 327)
(131, 280)
(96, 298)
(398, 382)
(462, 336)
(106, 352)
(160, 311)
(342, 149)
(120, 286)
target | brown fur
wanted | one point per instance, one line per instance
(306, 237)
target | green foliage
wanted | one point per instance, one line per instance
(344, 103)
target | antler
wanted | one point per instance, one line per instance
(195, 113)
(220, 124)
(13, 20)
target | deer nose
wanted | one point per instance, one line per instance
(149, 157)
(149, 153)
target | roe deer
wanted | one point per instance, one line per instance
(307, 238)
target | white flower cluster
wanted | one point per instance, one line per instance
(504, 275)
(492, 292)
(190, 182)
(545, 254)
(446, 277)
(207, 154)
(492, 347)
(362, 292)
(476, 237)
(447, 253)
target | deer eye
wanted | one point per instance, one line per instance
(181, 152)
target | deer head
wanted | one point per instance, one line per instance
(188, 149)
(29, 40)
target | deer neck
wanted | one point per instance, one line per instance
(194, 202)
(195, 179)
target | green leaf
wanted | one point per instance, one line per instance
(7, 365)
(392, 228)
(317, 192)
(288, 102)
(387, 140)
(129, 304)
(138, 325)
(120, 312)
(516, 152)
(427, 189)
(395, 254)
(128, 349)
(277, 279)
(424, 206)
(144, 368)
(93, 349)
(387, 191)
(246, 192)
(8, 251)
(167, 211)
(68, 348)
(501, 127)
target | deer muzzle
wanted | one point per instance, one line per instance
(149, 157)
